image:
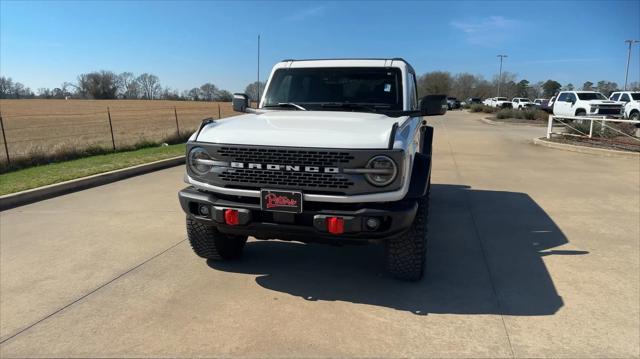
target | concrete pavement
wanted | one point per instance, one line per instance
(533, 252)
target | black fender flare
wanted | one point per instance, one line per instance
(421, 170)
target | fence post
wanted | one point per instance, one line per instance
(219, 111)
(4, 138)
(591, 129)
(549, 127)
(113, 140)
(175, 112)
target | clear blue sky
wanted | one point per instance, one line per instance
(188, 43)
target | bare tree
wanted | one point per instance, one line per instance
(435, 83)
(208, 91)
(127, 85)
(607, 87)
(224, 96)
(6, 87)
(149, 86)
(195, 94)
(464, 85)
(252, 90)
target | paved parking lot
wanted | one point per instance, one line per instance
(533, 252)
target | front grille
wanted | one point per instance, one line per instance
(284, 156)
(260, 178)
(609, 110)
(289, 179)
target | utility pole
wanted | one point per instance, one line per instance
(500, 75)
(258, 83)
(626, 73)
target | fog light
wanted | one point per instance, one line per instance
(372, 223)
(204, 210)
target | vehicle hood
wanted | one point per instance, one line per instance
(324, 129)
(604, 102)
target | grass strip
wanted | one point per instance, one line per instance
(38, 176)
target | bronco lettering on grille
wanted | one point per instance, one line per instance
(290, 168)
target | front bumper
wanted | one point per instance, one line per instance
(308, 226)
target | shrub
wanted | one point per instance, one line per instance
(475, 108)
(610, 130)
(522, 115)
(506, 113)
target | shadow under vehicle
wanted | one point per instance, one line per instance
(485, 256)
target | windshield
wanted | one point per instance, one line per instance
(525, 100)
(591, 96)
(501, 99)
(635, 96)
(313, 87)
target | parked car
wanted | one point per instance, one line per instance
(453, 103)
(488, 101)
(540, 102)
(521, 103)
(472, 101)
(548, 106)
(632, 103)
(317, 163)
(586, 103)
(500, 102)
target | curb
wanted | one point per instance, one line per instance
(584, 149)
(498, 123)
(57, 189)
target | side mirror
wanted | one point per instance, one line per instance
(240, 102)
(433, 105)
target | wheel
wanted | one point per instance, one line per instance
(581, 113)
(635, 116)
(406, 252)
(208, 243)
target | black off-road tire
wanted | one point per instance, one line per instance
(208, 243)
(406, 252)
(635, 116)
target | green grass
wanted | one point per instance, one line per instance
(38, 176)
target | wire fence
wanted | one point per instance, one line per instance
(600, 131)
(32, 129)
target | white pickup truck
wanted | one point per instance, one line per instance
(337, 152)
(632, 103)
(500, 102)
(586, 103)
(521, 103)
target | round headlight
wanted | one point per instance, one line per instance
(199, 161)
(383, 171)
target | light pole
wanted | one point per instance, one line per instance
(258, 83)
(626, 72)
(500, 75)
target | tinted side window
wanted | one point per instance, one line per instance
(563, 97)
(413, 97)
(615, 97)
(572, 97)
(625, 98)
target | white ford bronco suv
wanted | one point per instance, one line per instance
(586, 103)
(337, 151)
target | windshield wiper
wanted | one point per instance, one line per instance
(288, 104)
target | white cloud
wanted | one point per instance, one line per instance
(491, 31)
(306, 13)
(559, 61)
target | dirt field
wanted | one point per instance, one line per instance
(52, 125)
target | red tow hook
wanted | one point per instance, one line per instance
(231, 217)
(335, 225)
